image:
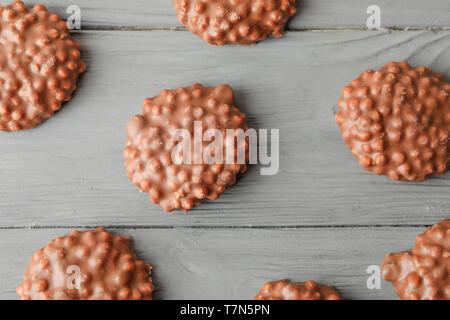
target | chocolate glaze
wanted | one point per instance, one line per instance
(424, 272)
(235, 21)
(109, 269)
(287, 290)
(148, 152)
(39, 65)
(396, 121)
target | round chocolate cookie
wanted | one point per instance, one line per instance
(181, 179)
(424, 272)
(39, 65)
(286, 290)
(235, 21)
(87, 265)
(396, 121)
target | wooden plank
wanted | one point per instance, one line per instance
(70, 172)
(311, 13)
(234, 263)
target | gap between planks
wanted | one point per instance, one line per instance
(276, 227)
(325, 29)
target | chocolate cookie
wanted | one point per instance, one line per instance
(39, 65)
(181, 179)
(396, 121)
(286, 290)
(87, 265)
(235, 21)
(424, 272)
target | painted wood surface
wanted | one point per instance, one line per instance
(69, 171)
(311, 13)
(322, 217)
(235, 263)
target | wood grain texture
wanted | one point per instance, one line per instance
(311, 13)
(69, 171)
(322, 217)
(234, 263)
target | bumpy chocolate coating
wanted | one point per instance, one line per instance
(39, 65)
(396, 121)
(148, 152)
(287, 290)
(424, 272)
(220, 22)
(108, 269)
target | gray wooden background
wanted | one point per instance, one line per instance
(322, 217)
